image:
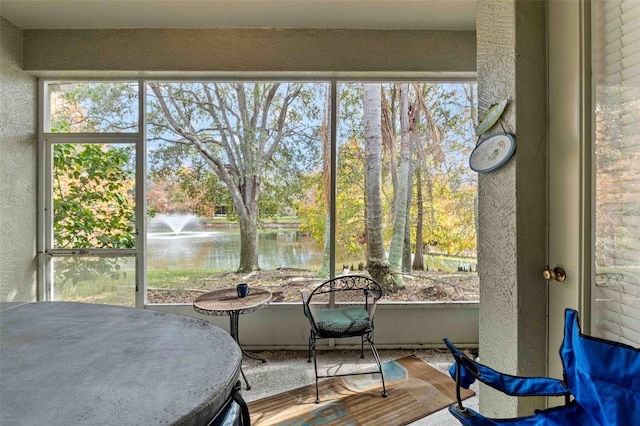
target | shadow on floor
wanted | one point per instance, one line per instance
(286, 370)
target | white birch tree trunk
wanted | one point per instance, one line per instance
(400, 198)
(377, 264)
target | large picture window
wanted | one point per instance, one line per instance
(243, 179)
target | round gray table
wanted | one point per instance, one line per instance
(84, 364)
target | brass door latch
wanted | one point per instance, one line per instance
(557, 274)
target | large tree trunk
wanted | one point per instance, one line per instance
(377, 264)
(400, 210)
(249, 243)
(248, 217)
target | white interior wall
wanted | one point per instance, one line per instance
(18, 160)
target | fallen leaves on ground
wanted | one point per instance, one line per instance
(286, 284)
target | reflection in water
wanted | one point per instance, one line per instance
(219, 250)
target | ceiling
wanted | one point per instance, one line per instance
(369, 14)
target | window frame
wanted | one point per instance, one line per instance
(46, 141)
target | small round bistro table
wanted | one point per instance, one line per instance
(226, 302)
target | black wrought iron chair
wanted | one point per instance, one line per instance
(343, 307)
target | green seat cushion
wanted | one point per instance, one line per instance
(349, 320)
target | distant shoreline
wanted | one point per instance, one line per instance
(270, 225)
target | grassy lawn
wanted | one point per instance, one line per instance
(183, 286)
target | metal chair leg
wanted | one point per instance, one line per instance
(362, 347)
(315, 368)
(245, 379)
(459, 407)
(377, 357)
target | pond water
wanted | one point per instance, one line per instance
(196, 247)
(218, 249)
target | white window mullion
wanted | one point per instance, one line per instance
(334, 165)
(44, 197)
(141, 199)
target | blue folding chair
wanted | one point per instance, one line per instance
(601, 383)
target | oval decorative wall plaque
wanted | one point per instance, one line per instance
(492, 152)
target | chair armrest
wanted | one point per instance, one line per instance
(371, 309)
(510, 385)
(305, 308)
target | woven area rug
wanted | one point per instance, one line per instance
(415, 390)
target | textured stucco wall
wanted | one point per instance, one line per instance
(249, 50)
(18, 148)
(512, 199)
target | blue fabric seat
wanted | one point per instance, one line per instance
(342, 321)
(601, 383)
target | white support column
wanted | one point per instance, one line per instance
(512, 201)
